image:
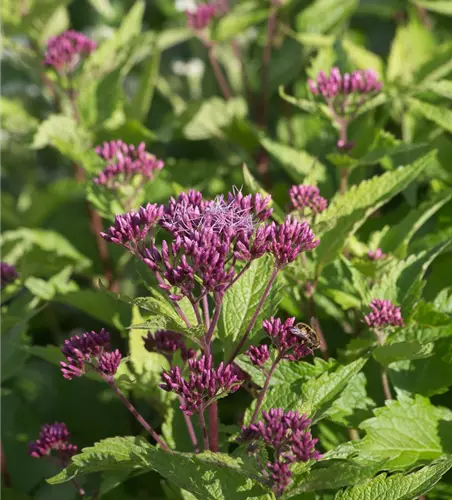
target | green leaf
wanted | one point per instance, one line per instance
(363, 58)
(99, 304)
(439, 65)
(141, 102)
(303, 104)
(406, 431)
(439, 6)
(439, 115)
(209, 476)
(240, 303)
(398, 237)
(398, 486)
(319, 394)
(323, 15)
(400, 351)
(411, 47)
(352, 402)
(238, 20)
(349, 211)
(330, 475)
(254, 187)
(442, 88)
(131, 24)
(299, 165)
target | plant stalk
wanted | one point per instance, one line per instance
(110, 381)
(205, 435)
(261, 397)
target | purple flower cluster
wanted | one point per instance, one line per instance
(306, 196)
(132, 228)
(376, 254)
(258, 355)
(201, 17)
(337, 85)
(64, 51)
(204, 385)
(208, 239)
(288, 434)
(125, 162)
(8, 274)
(92, 349)
(289, 239)
(384, 313)
(53, 437)
(285, 338)
(167, 342)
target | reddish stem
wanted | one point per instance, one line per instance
(110, 381)
(227, 94)
(261, 397)
(205, 435)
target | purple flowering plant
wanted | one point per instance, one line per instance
(226, 250)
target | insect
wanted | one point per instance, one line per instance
(308, 333)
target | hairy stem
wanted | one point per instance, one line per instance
(110, 381)
(255, 315)
(205, 435)
(213, 426)
(205, 306)
(261, 397)
(385, 384)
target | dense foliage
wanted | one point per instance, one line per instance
(226, 249)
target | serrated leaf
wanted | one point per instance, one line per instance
(131, 24)
(439, 65)
(298, 164)
(209, 476)
(241, 300)
(406, 431)
(254, 187)
(410, 48)
(318, 395)
(398, 486)
(442, 88)
(439, 115)
(350, 211)
(322, 15)
(400, 351)
(330, 475)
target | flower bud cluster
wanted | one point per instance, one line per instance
(337, 85)
(285, 337)
(288, 434)
(258, 355)
(306, 196)
(125, 162)
(199, 18)
(168, 342)
(8, 274)
(64, 51)
(204, 385)
(90, 349)
(376, 254)
(383, 313)
(53, 437)
(208, 240)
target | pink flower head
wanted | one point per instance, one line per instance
(383, 313)
(285, 337)
(290, 239)
(258, 355)
(204, 385)
(201, 17)
(65, 51)
(125, 162)
(8, 274)
(167, 342)
(306, 196)
(288, 434)
(376, 254)
(53, 437)
(91, 349)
